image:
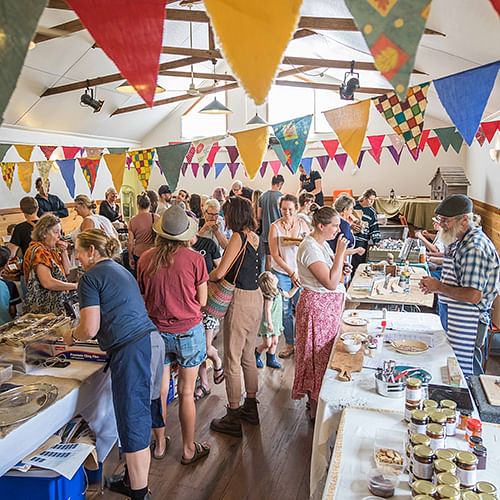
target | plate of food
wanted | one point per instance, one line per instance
(355, 321)
(407, 346)
(355, 336)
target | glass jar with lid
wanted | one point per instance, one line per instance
(429, 404)
(464, 417)
(466, 468)
(436, 433)
(444, 492)
(410, 407)
(423, 497)
(415, 440)
(448, 479)
(487, 496)
(441, 465)
(451, 421)
(485, 487)
(449, 404)
(474, 428)
(422, 488)
(475, 441)
(445, 454)
(437, 417)
(413, 391)
(482, 456)
(419, 421)
(422, 463)
(470, 495)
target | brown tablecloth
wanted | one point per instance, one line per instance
(418, 211)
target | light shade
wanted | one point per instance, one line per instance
(126, 88)
(256, 120)
(215, 108)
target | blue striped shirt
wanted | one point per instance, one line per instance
(372, 231)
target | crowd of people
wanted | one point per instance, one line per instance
(273, 263)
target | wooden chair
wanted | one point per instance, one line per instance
(338, 192)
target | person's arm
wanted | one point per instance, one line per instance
(355, 251)
(13, 249)
(87, 224)
(259, 213)
(221, 238)
(232, 249)
(330, 277)
(291, 292)
(318, 188)
(60, 209)
(130, 245)
(90, 322)
(275, 254)
(462, 294)
(268, 304)
(202, 294)
(427, 244)
(373, 228)
(47, 281)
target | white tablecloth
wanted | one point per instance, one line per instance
(353, 454)
(360, 392)
(92, 400)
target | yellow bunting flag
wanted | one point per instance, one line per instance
(8, 172)
(349, 123)
(252, 145)
(116, 165)
(25, 174)
(253, 38)
(24, 151)
(44, 170)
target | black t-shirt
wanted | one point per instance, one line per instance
(21, 236)
(106, 210)
(208, 249)
(308, 182)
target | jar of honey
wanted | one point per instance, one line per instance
(437, 435)
(466, 468)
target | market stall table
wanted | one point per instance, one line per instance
(89, 395)
(360, 392)
(353, 455)
(359, 290)
(418, 211)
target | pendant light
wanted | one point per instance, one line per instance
(126, 88)
(256, 120)
(215, 107)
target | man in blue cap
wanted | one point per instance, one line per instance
(469, 281)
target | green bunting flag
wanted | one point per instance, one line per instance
(171, 158)
(449, 136)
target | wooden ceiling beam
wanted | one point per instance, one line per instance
(58, 4)
(61, 30)
(329, 86)
(116, 77)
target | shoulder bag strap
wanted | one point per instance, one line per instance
(240, 252)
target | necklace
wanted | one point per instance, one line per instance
(287, 228)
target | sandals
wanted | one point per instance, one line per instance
(219, 375)
(201, 450)
(162, 456)
(286, 352)
(204, 393)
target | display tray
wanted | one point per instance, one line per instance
(460, 395)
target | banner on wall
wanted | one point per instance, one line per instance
(375, 150)
(25, 175)
(24, 151)
(90, 167)
(449, 136)
(171, 158)
(143, 161)
(67, 168)
(8, 173)
(116, 166)
(44, 168)
(47, 151)
(252, 145)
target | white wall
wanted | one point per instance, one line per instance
(483, 173)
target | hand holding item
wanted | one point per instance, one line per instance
(62, 245)
(356, 226)
(295, 280)
(347, 269)
(342, 243)
(68, 336)
(360, 251)
(429, 285)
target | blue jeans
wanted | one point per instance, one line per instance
(189, 348)
(285, 284)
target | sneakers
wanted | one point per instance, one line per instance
(258, 360)
(287, 351)
(249, 412)
(272, 362)
(230, 423)
(118, 484)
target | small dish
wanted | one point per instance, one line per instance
(357, 337)
(351, 346)
(409, 346)
(355, 321)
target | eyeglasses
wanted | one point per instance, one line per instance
(212, 214)
(439, 219)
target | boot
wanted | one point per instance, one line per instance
(272, 362)
(230, 423)
(258, 360)
(119, 483)
(249, 412)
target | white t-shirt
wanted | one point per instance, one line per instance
(100, 222)
(310, 251)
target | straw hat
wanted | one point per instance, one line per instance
(175, 225)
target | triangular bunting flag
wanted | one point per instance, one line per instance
(449, 137)
(292, 136)
(44, 168)
(115, 151)
(25, 174)
(496, 5)
(392, 30)
(24, 151)
(323, 161)
(349, 123)
(47, 151)
(480, 137)
(233, 153)
(206, 170)
(233, 167)
(184, 168)
(93, 152)
(307, 164)
(254, 41)
(67, 168)
(70, 152)
(360, 157)
(331, 147)
(171, 158)
(116, 166)
(203, 147)
(18, 21)
(213, 153)
(278, 150)
(376, 142)
(489, 129)
(423, 139)
(341, 160)
(405, 117)
(465, 95)
(8, 172)
(89, 168)
(195, 167)
(434, 145)
(143, 160)
(414, 153)
(218, 168)
(190, 154)
(263, 168)
(252, 145)
(275, 166)
(395, 153)
(397, 142)
(136, 26)
(3, 149)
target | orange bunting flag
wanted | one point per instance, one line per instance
(350, 123)
(254, 39)
(8, 172)
(252, 145)
(116, 166)
(24, 151)
(25, 174)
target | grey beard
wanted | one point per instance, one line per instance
(448, 237)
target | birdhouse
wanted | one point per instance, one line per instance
(448, 181)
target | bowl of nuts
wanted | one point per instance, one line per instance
(389, 449)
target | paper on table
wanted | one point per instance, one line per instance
(63, 458)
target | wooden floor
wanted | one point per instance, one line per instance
(271, 461)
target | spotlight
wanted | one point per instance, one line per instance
(87, 99)
(349, 85)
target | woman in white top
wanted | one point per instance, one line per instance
(85, 208)
(284, 263)
(321, 303)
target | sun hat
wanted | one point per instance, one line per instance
(454, 205)
(175, 225)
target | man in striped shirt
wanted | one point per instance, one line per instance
(369, 225)
(469, 283)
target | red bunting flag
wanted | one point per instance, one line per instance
(275, 166)
(480, 137)
(89, 169)
(434, 145)
(47, 151)
(489, 129)
(496, 5)
(70, 152)
(331, 147)
(423, 139)
(376, 142)
(131, 34)
(212, 154)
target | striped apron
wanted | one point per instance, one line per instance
(463, 319)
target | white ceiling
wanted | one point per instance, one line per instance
(472, 38)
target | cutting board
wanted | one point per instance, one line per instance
(346, 363)
(491, 389)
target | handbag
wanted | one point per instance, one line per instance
(220, 293)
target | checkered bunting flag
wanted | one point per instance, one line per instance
(405, 117)
(143, 161)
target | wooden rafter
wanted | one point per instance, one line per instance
(329, 86)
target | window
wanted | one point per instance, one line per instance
(323, 101)
(196, 125)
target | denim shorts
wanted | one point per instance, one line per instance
(189, 348)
